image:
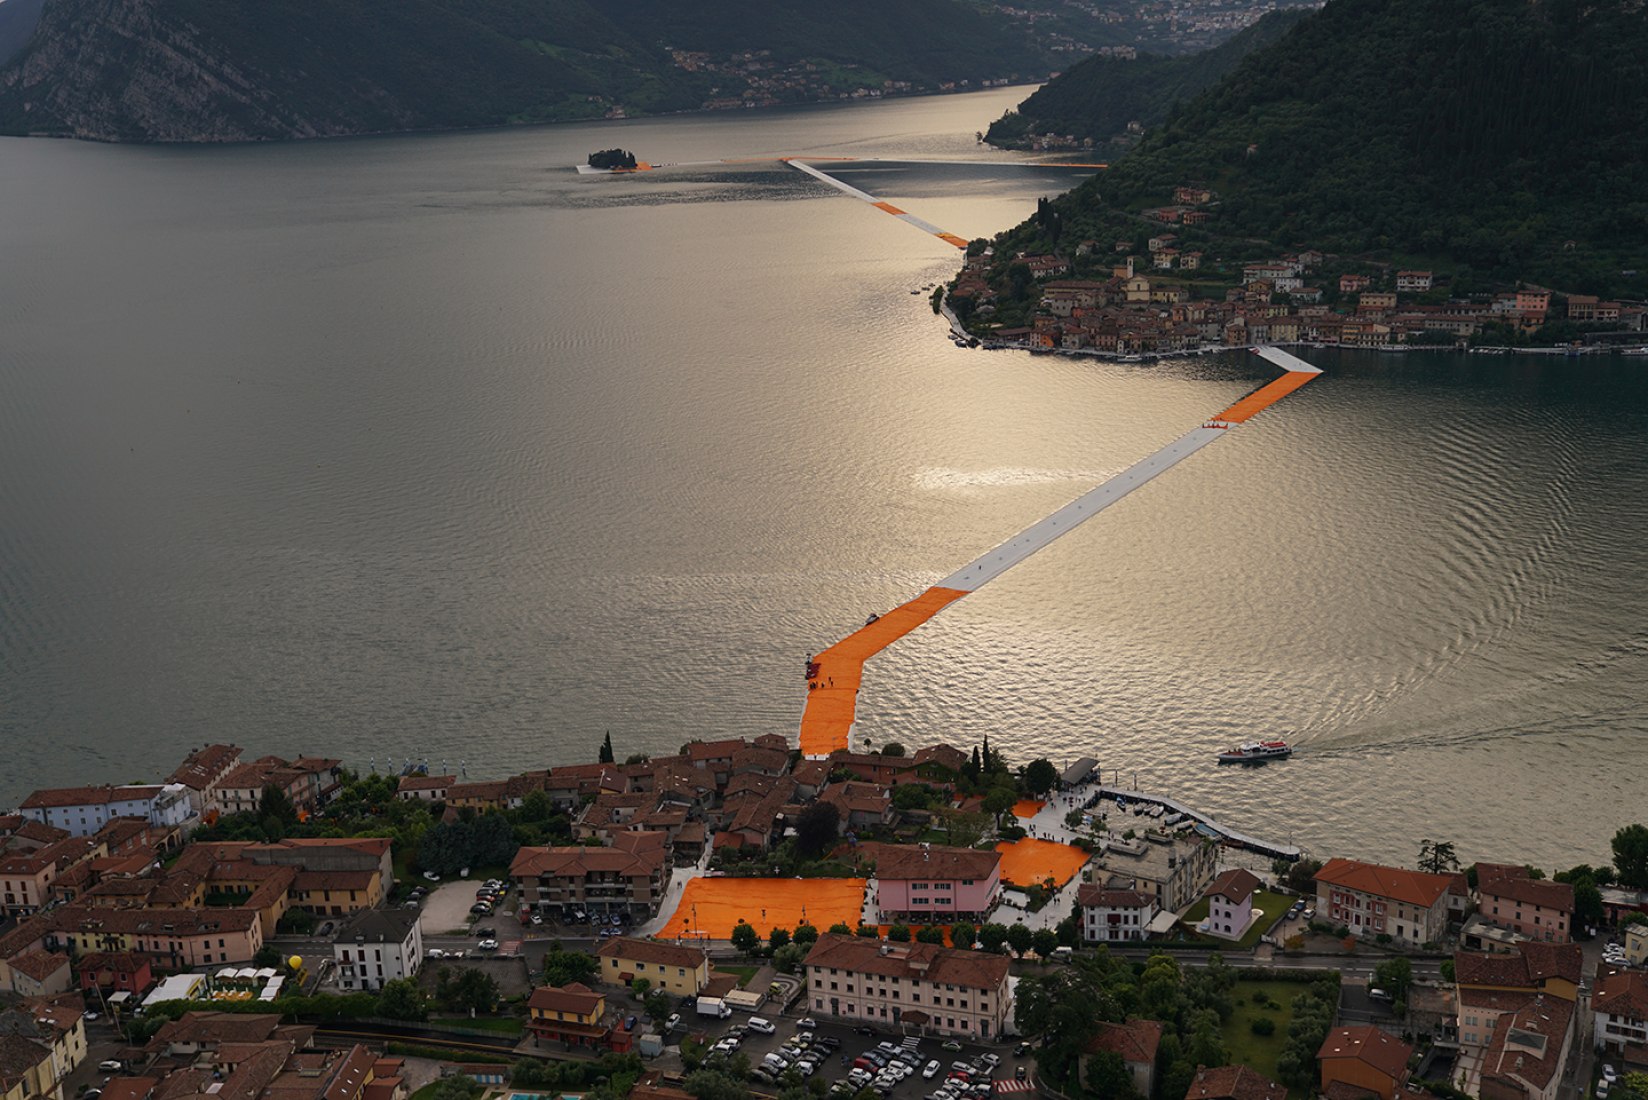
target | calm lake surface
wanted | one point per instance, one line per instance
(428, 446)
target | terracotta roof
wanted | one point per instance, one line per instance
(1398, 883)
(217, 1027)
(38, 965)
(1623, 993)
(486, 790)
(923, 961)
(1234, 1083)
(1091, 895)
(18, 1055)
(569, 861)
(666, 954)
(120, 962)
(1495, 880)
(201, 767)
(85, 796)
(1235, 885)
(1135, 1041)
(573, 997)
(1532, 965)
(1528, 1043)
(425, 782)
(931, 862)
(713, 750)
(1385, 1053)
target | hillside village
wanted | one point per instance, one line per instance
(220, 930)
(1169, 286)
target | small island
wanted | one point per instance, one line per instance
(613, 160)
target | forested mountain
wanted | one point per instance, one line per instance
(191, 70)
(1503, 138)
(1099, 97)
(17, 20)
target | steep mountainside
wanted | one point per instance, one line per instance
(17, 20)
(1099, 97)
(224, 70)
(1499, 138)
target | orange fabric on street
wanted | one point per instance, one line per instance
(1030, 862)
(711, 907)
(833, 697)
(1027, 807)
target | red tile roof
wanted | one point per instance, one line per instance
(1236, 885)
(1397, 883)
(1234, 1083)
(1135, 1041)
(1623, 993)
(665, 954)
(1384, 1053)
(1498, 880)
(574, 997)
(931, 862)
(1091, 895)
(926, 961)
(1530, 967)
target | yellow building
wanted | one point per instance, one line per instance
(683, 971)
(571, 1014)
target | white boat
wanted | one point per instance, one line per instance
(1256, 752)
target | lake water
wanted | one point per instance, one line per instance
(428, 446)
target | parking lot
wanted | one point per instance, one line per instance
(901, 1067)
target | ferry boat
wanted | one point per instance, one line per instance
(1256, 752)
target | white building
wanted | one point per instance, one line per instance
(909, 987)
(377, 946)
(84, 810)
(1230, 904)
(1621, 1005)
(1114, 916)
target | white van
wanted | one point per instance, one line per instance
(765, 1027)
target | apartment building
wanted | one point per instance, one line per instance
(674, 968)
(1114, 916)
(936, 885)
(1175, 867)
(1509, 898)
(82, 811)
(1370, 899)
(1621, 1006)
(376, 946)
(914, 987)
(597, 880)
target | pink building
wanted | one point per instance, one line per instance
(936, 885)
(1536, 908)
(1230, 904)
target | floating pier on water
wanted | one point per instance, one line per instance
(1204, 824)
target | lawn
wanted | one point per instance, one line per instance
(1259, 1052)
(503, 1025)
(1274, 907)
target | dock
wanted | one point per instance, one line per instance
(1204, 824)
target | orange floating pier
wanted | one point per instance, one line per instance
(1031, 861)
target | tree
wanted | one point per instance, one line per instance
(805, 934)
(458, 1086)
(563, 967)
(898, 933)
(999, 801)
(1108, 1076)
(1437, 857)
(963, 827)
(401, 999)
(963, 935)
(787, 959)
(991, 936)
(267, 955)
(840, 928)
(868, 932)
(892, 748)
(1045, 941)
(711, 1084)
(912, 796)
(276, 812)
(930, 933)
(778, 937)
(606, 755)
(1040, 776)
(1019, 938)
(658, 1004)
(816, 829)
(1394, 976)
(465, 990)
(1631, 856)
(745, 938)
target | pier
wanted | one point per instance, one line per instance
(1206, 824)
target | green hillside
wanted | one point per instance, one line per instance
(1099, 97)
(1498, 139)
(181, 70)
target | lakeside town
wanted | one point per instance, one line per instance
(738, 920)
(1171, 287)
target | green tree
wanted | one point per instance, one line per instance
(991, 936)
(787, 959)
(998, 802)
(1020, 938)
(778, 937)
(840, 928)
(963, 827)
(1045, 941)
(458, 1086)
(711, 1084)
(912, 796)
(1437, 857)
(267, 955)
(1630, 846)
(963, 935)
(892, 748)
(899, 933)
(930, 933)
(658, 1005)
(276, 812)
(401, 999)
(1108, 1076)
(563, 967)
(745, 938)
(817, 828)
(805, 934)
(1040, 776)
(1394, 976)
(606, 754)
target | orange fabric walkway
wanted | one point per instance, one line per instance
(1264, 397)
(1030, 862)
(711, 907)
(1027, 807)
(832, 698)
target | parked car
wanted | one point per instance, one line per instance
(487, 945)
(479, 931)
(950, 1045)
(432, 876)
(990, 1059)
(435, 953)
(111, 1065)
(764, 1026)
(673, 1022)
(930, 1070)
(1018, 1072)
(806, 1023)
(1376, 994)
(1022, 1050)
(1309, 913)
(1608, 1072)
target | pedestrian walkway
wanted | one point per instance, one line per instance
(835, 676)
